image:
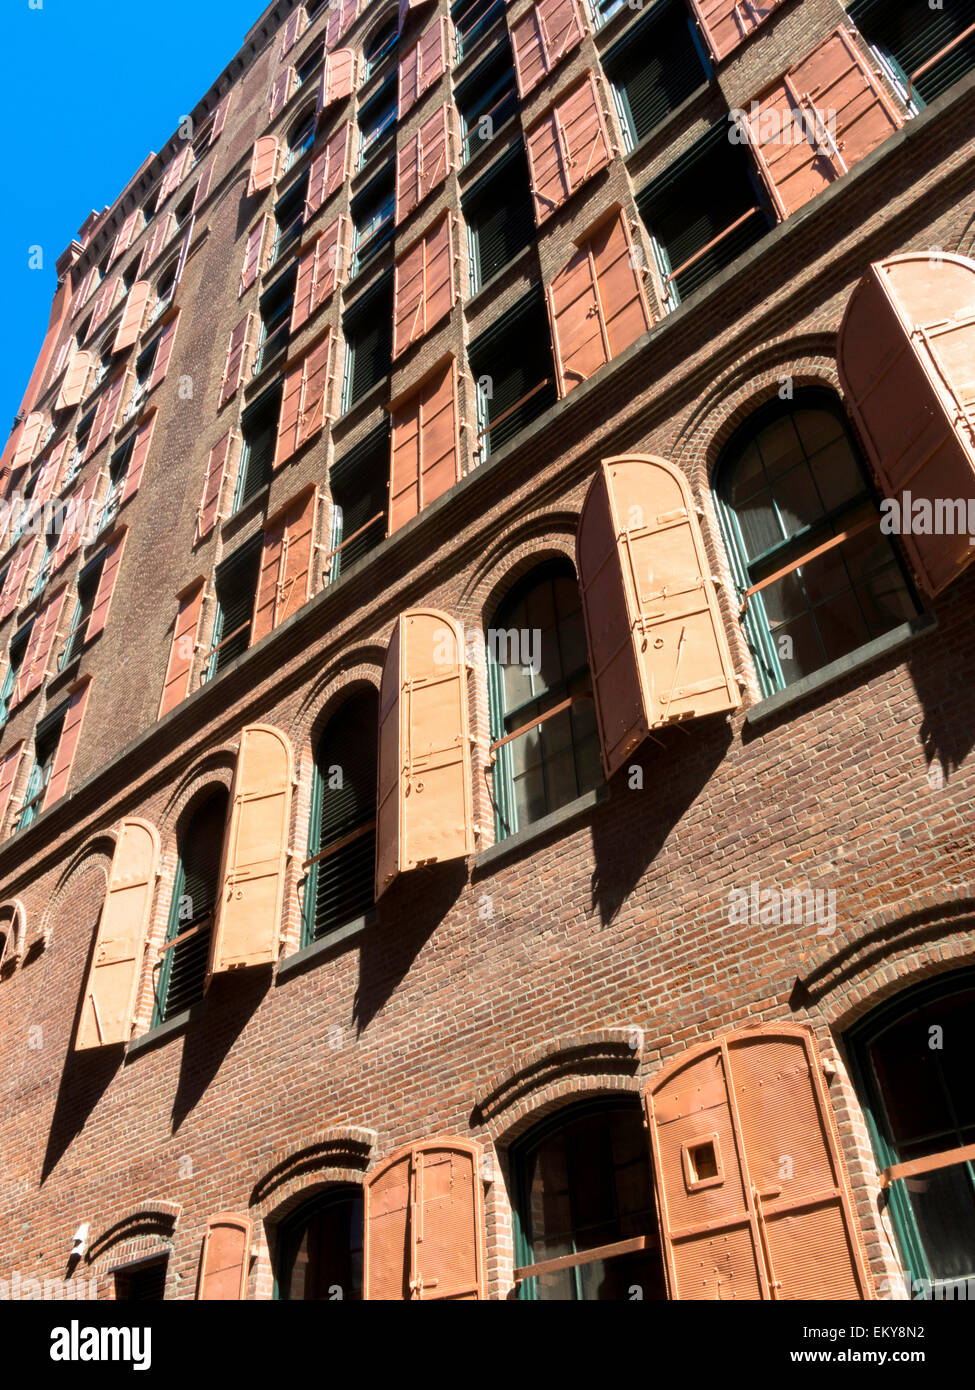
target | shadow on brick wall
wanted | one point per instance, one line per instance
(232, 1000)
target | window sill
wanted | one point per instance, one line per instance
(313, 953)
(664, 132)
(539, 828)
(257, 383)
(246, 512)
(891, 641)
(377, 394)
(472, 166)
(163, 1031)
(526, 256)
(480, 48)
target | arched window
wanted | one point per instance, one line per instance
(584, 1209)
(543, 724)
(182, 970)
(912, 1059)
(803, 530)
(301, 137)
(340, 881)
(319, 1248)
(379, 44)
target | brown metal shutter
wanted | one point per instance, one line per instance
(566, 147)
(47, 482)
(340, 16)
(9, 764)
(752, 1197)
(209, 510)
(126, 234)
(422, 65)
(237, 359)
(657, 647)
(422, 163)
(177, 683)
(319, 271)
(549, 31)
(33, 669)
(16, 574)
(220, 118)
(137, 461)
(789, 125)
(68, 742)
(224, 1258)
(328, 169)
(108, 1001)
(264, 165)
(425, 448)
(424, 285)
(303, 404)
(173, 175)
(104, 421)
(159, 237)
(254, 254)
(164, 352)
(106, 584)
(280, 92)
(295, 27)
(424, 802)
(248, 916)
(726, 23)
(424, 1224)
(133, 315)
(906, 357)
(284, 581)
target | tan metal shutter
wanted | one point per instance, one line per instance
(33, 670)
(540, 40)
(425, 446)
(68, 742)
(220, 118)
(287, 440)
(16, 574)
(133, 315)
(9, 764)
(906, 357)
(387, 1265)
(425, 807)
(164, 352)
(314, 392)
(104, 421)
(47, 482)
(126, 234)
(657, 646)
(284, 582)
(752, 1197)
(177, 683)
(264, 165)
(248, 916)
(202, 190)
(29, 439)
(726, 23)
(224, 1258)
(108, 1000)
(424, 285)
(338, 78)
(173, 175)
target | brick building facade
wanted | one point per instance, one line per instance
(464, 398)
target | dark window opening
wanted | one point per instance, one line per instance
(182, 971)
(259, 432)
(372, 217)
(275, 308)
(46, 741)
(319, 1249)
(301, 137)
(118, 468)
(377, 121)
(472, 20)
(360, 485)
(88, 581)
(236, 585)
(655, 67)
(368, 332)
(379, 45)
(513, 372)
(487, 100)
(15, 659)
(289, 215)
(499, 216)
(142, 1283)
(308, 65)
(920, 46)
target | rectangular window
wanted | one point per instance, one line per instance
(81, 436)
(117, 471)
(45, 750)
(359, 483)
(236, 586)
(88, 581)
(289, 214)
(472, 20)
(144, 364)
(275, 310)
(15, 660)
(372, 218)
(923, 48)
(513, 372)
(259, 431)
(656, 65)
(487, 100)
(702, 212)
(44, 568)
(499, 217)
(368, 330)
(144, 1282)
(603, 10)
(377, 121)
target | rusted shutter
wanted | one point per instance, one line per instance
(133, 316)
(293, 30)
(173, 175)
(425, 811)
(106, 584)
(127, 234)
(220, 118)
(566, 147)
(108, 1001)
(9, 764)
(30, 437)
(328, 169)
(202, 190)
(224, 1258)
(238, 355)
(424, 1224)
(105, 301)
(906, 357)
(76, 524)
(160, 237)
(422, 65)
(725, 23)
(341, 16)
(752, 1197)
(549, 31)
(281, 90)
(177, 683)
(104, 421)
(425, 449)
(338, 78)
(424, 285)
(16, 573)
(164, 352)
(248, 916)
(825, 115)
(209, 509)
(319, 271)
(657, 646)
(33, 670)
(137, 459)
(304, 400)
(254, 254)
(264, 165)
(75, 379)
(597, 305)
(422, 163)
(284, 582)
(68, 742)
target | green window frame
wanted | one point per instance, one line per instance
(236, 588)
(656, 66)
(118, 468)
(46, 741)
(489, 91)
(377, 121)
(499, 217)
(259, 433)
(514, 358)
(906, 37)
(275, 308)
(368, 332)
(327, 1231)
(289, 219)
(373, 212)
(359, 484)
(15, 659)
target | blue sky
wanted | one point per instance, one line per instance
(91, 86)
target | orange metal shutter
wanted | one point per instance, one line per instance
(825, 115)
(422, 163)
(177, 683)
(130, 324)
(725, 23)
(213, 486)
(657, 646)
(108, 1001)
(50, 473)
(75, 380)
(597, 305)
(285, 575)
(542, 38)
(220, 118)
(163, 353)
(76, 524)
(424, 1224)
(407, 177)
(70, 345)
(85, 289)
(164, 230)
(906, 357)
(68, 742)
(566, 147)
(104, 421)
(202, 190)
(422, 65)
(254, 254)
(16, 573)
(328, 169)
(9, 763)
(424, 803)
(238, 353)
(295, 27)
(341, 15)
(318, 272)
(106, 585)
(280, 92)
(752, 1197)
(424, 285)
(287, 441)
(224, 1258)
(248, 916)
(137, 460)
(34, 668)
(173, 175)
(314, 391)
(105, 301)
(264, 165)
(29, 439)
(425, 451)
(126, 234)
(338, 78)
(268, 580)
